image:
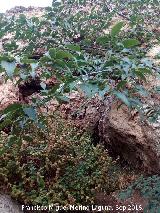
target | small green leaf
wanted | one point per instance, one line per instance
(60, 63)
(9, 67)
(128, 43)
(27, 138)
(102, 92)
(27, 61)
(52, 52)
(73, 47)
(157, 89)
(11, 46)
(116, 29)
(125, 194)
(6, 58)
(142, 91)
(12, 108)
(31, 113)
(34, 66)
(140, 74)
(45, 59)
(103, 39)
(62, 99)
(2, 151)
(121, 84)
(122, 97)
(145, 70)
(12, 139)
(89, 89)
(63, 54)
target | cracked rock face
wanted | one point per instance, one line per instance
(137, 143)
(134, 139)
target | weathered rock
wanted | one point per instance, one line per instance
(135, 141)
(9, 93)
(84, 113)
(7, 205)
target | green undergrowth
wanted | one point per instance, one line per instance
(149, 189)
(59, 166)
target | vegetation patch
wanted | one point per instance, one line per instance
(60, 167)
(149, 188)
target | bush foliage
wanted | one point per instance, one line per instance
(149, 188)
(60, 167)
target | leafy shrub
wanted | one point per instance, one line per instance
(77, 43)
(61, 167)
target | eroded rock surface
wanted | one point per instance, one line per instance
(85, 114)
(136, 142)
(7, 205)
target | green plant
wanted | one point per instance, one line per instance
(78, 51)
(149, 188)
(61, 166)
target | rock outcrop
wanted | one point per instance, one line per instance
(85, 114)
(136, 142)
